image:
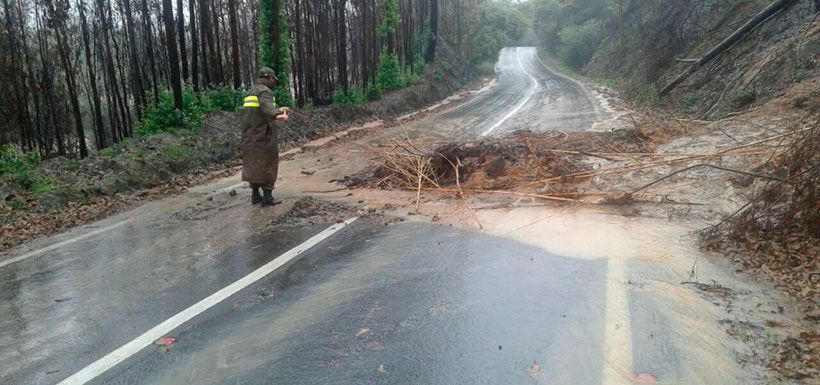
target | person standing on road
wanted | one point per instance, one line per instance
(260, 146)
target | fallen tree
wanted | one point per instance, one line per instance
(741, 33)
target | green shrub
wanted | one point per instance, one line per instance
(164, 117)
(438, 74)
(578, 43)
(339, 97)
(109, 152)
(44, 185)
(411, 78)
(12, 160)
(19, 165)
(225, 98)
(354, 96)
(418, 66)
(743, 98)
(174, 152)
(372, 92)
(389, 76)
(180, 157)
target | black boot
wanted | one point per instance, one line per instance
(267, 199)
(255, 197)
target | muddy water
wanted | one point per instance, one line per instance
(675, 333)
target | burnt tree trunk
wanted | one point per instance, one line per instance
(194, 45)
(173, 55)
(149, 48)
(183, 52)
(65, 59)
(237, 75)
(99, 132)
(430, 55)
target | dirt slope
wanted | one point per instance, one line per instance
(782, 52)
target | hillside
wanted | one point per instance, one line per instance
(659, 39)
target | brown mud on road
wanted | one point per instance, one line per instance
(580, 194)
(618, 193)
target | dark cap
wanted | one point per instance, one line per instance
(266, 72)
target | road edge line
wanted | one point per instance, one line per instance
(523, 102)
(617, 362)
(56, 245)
(560, 75)
(110, 360)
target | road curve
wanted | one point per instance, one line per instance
(374, 304)
(527, 95)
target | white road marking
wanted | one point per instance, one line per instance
(112, 359)
(617, 368)
(556, 73)
(37, 252)
(523, 102)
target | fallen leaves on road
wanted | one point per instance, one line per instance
(646, 378)
(534, 369)
(165, 343)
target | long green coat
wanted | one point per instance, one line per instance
(260, 147)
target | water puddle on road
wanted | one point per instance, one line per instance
(656, 327)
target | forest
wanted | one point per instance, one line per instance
(81, 75)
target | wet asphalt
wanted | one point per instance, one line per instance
(62, 310)
(406, 303)
(526, 96)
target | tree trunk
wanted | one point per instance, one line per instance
(136, 78)
(430, 55)
(208, 47)
(173, 55)
(729, 42)
(194, 45)
(341, 47)
(149, 47)
(70, 79)
(183, 53)
(219, 73)
(237, 76)
(99, 132)
(20, 106)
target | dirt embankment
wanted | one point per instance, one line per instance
(74, 192)
(752, 132)
(658, 40)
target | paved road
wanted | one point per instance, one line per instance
(527, 95)
(408, 303)
(364, 304)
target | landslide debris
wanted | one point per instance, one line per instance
(523, 160)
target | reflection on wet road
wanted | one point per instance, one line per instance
(61, 310)
(527, 96)
(412, 303)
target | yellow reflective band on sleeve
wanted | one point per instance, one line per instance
(251, 101)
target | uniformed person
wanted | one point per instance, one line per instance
(260, 147)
